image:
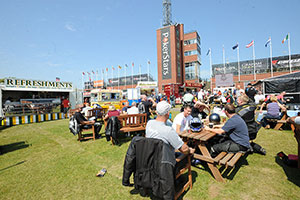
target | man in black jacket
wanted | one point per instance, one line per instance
(246, 109)
(250, 91)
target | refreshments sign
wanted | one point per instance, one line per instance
(23, 84)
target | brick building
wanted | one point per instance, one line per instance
(178, 57)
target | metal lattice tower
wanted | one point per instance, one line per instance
(167, 14)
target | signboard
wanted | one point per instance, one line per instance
(23, 84)
(135, 78)
(196, 85)
(166, 54)
(263, 65)
(147, 84)
(98, 83)
(224, 80)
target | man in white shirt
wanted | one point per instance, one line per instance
(201, 95)
(133, 109)
(259, 98)
(182, 120)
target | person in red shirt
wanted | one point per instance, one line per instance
(66, 105)
(111, 112)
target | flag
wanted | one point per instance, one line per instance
(120, 67)
(97, 72)
(268, 41)
(126, 65)
(83, 73)
(208, 52)
(88, 73)
(132, 64)
(113, 68)
(57, 79)
(250, 44)
(235, 46)
(107, 69)
(149, 62)
(93, 72)
(285, 39)
(103, 71)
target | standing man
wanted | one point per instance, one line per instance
(236, 130)
(66, 105)
(182, 120)
(250, 92)
(145, 105)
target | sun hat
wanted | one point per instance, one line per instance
(162, 108)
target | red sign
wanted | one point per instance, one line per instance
(196, 85)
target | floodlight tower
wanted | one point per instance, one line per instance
(167, 14)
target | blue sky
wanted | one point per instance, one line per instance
(45, 39)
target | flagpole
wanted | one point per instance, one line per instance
(289, 52)
(140, 72)
(125, 76)
(118, 77)
(112, 84)
(132, 74)
(82, 81)
(254, 61)
(148, 70)
(239, 67)
(271, 57)
(224, 58)
(211, 70)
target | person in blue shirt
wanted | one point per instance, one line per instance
(236, 131)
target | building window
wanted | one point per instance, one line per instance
(178, 69)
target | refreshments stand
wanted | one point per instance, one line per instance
(28, 101)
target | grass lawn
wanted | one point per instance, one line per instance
(45, 161)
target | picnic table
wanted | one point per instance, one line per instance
(296, 128)
(225, 159)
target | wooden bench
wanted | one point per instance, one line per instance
(131, 123)
(228, 160)
(279, 122)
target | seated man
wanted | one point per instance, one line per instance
(246, 110)
(86, 124)
(86, 109)
(158, 129)
(133, 109)
(236, 130)
(125, 108)
(182, 120)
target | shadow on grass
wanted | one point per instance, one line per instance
(293, 174)
(19, 163)
(13, 147)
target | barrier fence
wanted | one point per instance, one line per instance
(33, 118)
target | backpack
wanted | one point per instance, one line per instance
(142, 108)
(74, 127)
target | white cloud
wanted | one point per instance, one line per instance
(50, 64)
(70, 27)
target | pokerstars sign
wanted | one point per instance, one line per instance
(166, 53)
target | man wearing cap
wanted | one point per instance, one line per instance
(158, 129)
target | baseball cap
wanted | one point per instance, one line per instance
(163, 108)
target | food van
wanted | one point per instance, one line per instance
(107, 97)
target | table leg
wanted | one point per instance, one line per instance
(213, 167)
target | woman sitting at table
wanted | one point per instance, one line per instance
(111, 112)
(273, 111)
(236, 134)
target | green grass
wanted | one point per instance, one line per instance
(45, 161)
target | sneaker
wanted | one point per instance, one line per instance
(263, 151)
